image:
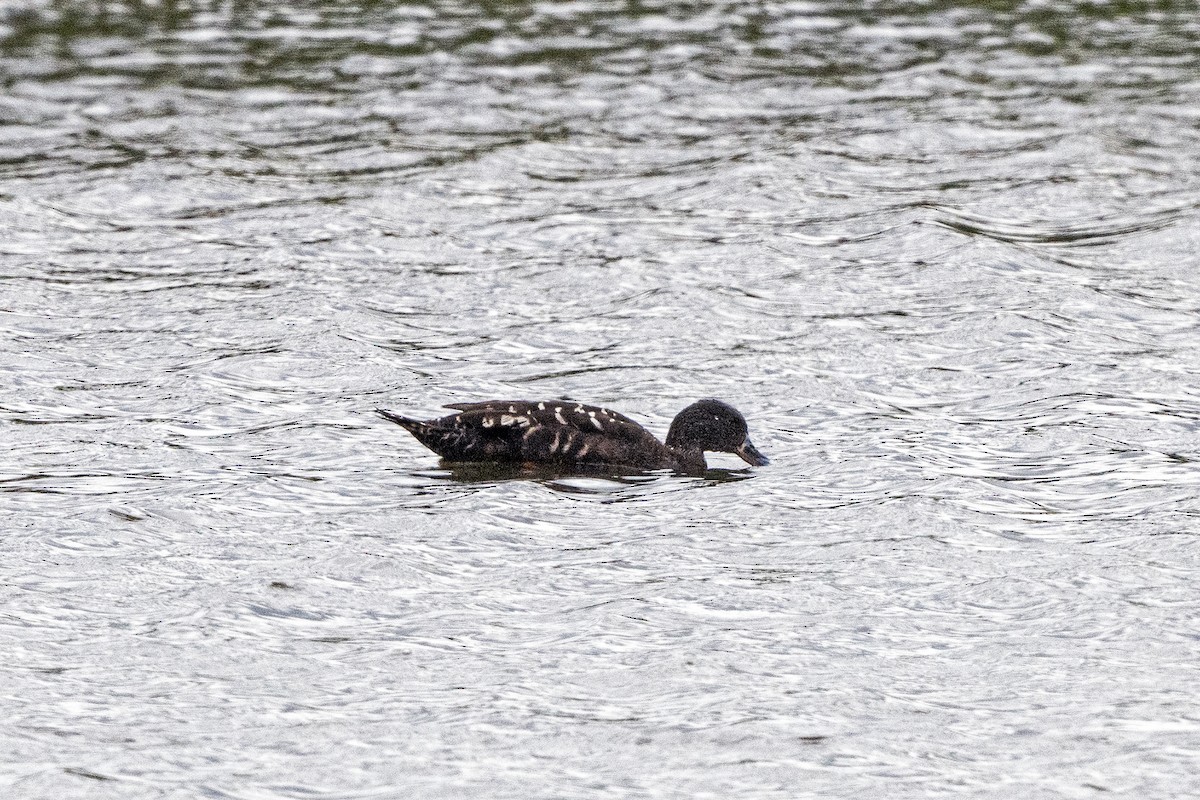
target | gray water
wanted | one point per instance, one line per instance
(942, 255)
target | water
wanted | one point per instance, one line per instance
(942, 256)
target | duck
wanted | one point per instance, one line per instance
(566, 434)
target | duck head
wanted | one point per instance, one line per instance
(714, 426)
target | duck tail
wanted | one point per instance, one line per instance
(447, 442)
(409, 424)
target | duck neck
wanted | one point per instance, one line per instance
(690, 459)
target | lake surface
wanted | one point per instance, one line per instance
(943, 257)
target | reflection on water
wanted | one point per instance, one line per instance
(617, 476)
(603, 484)
(941, 255)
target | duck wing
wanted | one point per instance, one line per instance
(552, 431)
(558, 413)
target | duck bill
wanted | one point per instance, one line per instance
(749, 453)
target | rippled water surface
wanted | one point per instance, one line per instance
(942, 255)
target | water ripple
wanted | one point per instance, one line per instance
(1089, 234)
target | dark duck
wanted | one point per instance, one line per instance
(565, 434)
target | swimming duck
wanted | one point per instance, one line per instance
(565, 433)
